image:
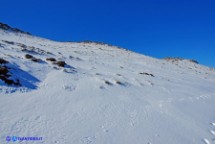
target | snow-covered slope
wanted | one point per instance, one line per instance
(102, 95)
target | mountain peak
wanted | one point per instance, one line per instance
(9, 28)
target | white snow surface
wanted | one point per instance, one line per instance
(100, 97)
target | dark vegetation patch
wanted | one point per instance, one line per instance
(116, 82)
(5, 74)
(75, 58)
(100, 43)
(9, 81)
(56, 68)
(60, 63)
(172, 58)
(2, 61)
(71, 57)
(94, 42)
(9, 42)
(37, 50)
(32, 49)
(4, 71)
(28, 49)
(177, 59)
(120, 83)
(78, 59)
(7, 27)
(27, 56)
(51, 59)
(36, 60)
(212, 69)
(71, 71)
(32, 58)
(194, 61)
(13, 76)
(108, 83)
(22, 45)
(148, 74)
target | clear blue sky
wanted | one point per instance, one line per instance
(158, 28)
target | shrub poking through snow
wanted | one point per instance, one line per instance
(10, 82)
(120, 83)
(179, 59)
(55, 62)
(4, 71)
(2, 61)
(51, 59)
(108, 83)
(9, 42)
(194, 61)
(5, 75)
(27, 56)
(173, 59)
(93, 42)
(60, 63)
(36, 60)
(143, 73)
(7, 27)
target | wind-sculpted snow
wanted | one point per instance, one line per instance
(94, 93)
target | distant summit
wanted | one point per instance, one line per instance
(8, 28)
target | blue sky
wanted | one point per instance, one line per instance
(158, 28)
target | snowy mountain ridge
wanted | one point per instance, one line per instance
(69, 92)
(11, 29)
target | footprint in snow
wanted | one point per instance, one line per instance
(212, 132)
(206, 141)
(69, 87)
(104, 129)
(88, 140)
(102, 87)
